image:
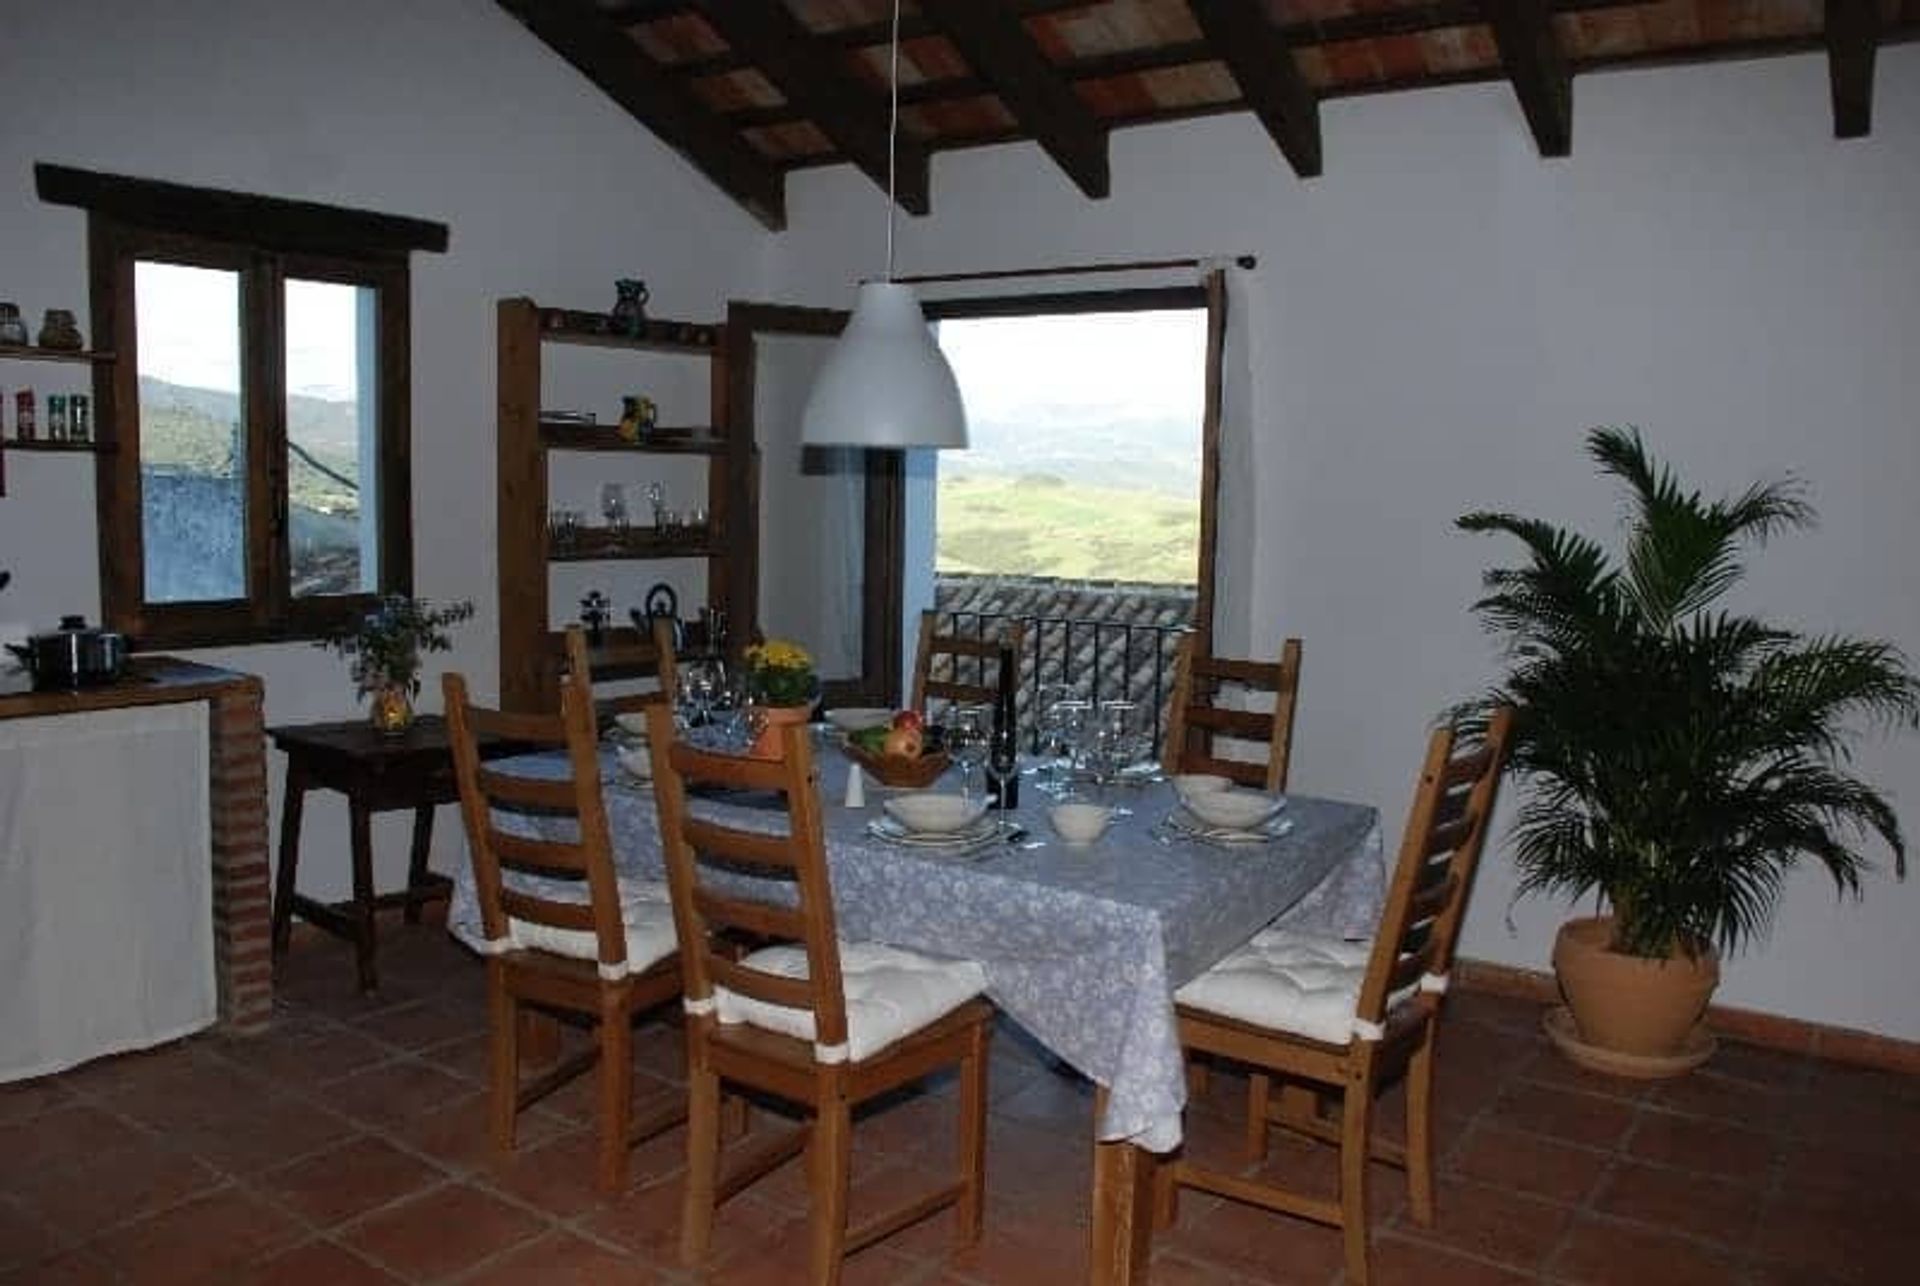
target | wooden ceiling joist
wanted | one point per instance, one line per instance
(1852, 34)
(601, 52)
(1542, 79)
(998, 47)
(805, 69)
(1261, 62)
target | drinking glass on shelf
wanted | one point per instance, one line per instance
(564, 526)
(613, 507)
(656, 501)
(967, 743)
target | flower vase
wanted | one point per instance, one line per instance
(767, 722)
(391, 710)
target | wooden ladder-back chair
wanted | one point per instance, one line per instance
(603, 949)
(1194, 721)
(1348, 1018)
(944, 661)
(655, 651)
(821, 1023)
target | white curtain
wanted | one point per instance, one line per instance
(106, 885)
(1233, 624)
(812, 514)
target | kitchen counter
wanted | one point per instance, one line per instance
(237, 795)
(150, 680)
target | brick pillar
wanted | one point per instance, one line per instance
(242, 890)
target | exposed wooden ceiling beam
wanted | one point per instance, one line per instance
(1262, 64)
(1523, 32)
(601, 52)
(806, 70)
(1852, 33)
(1045, 106)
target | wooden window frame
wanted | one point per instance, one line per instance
(1209, 295)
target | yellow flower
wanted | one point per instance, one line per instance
(778, 654)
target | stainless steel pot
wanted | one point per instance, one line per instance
(73, 656)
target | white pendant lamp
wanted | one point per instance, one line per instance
(886, 383)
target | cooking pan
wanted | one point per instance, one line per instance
(73, 656)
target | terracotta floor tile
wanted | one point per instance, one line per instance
(561, 1259)
(458, 1134)
(1863, 1237)
(1247, 1240)
(1754, 1104)
(266, 1135)
(1570, 1116)
(25, 1238)
(442, 1232)
(72, 1268)
(1709, 1147)
(312, 1053)
(63, 1135)
(198, 1242)
(423, 1022)
(1711, 1209)
(21, 1099)
(1528, 1163)
(1492, 1224)
(1603, 1253)
(644, 1221)
(1051, 1102)
(1398, 1261)
(318, 1263)
(394, 1092)
(341, 1183)
(1020, 1251)
(79, 1201)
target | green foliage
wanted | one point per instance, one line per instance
(1683, 759)
(387, 642)
(1044, 525)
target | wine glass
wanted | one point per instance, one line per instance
(613, 507)
(1003, 765)
(967, 743)
(694, 700)
(1062, 721)
(1115, 745)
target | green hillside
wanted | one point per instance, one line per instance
(1043, 525)
(192, 430)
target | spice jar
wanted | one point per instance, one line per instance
(60, 331)
(12, 329)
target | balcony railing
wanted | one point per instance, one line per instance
(1111, 641)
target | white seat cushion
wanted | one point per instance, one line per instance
(1291, 982)
(645, 911)
(890, 994)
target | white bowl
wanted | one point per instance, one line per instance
(1198, 783)
(638, 762)
(632, 722)
(935, 813)
(854, 718)
(1080, 824)
(1239, 810)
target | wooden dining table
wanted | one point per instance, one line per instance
(1083, 947)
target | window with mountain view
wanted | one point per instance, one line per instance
(1085, 460)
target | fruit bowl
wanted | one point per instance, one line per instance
(898, 770)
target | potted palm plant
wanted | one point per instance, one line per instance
(1682, 757)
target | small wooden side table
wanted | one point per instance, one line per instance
(377, 773)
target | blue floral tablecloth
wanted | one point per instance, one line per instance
(1083, 947)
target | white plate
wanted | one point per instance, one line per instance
(1181, 822)
(976, 836)
(854, 718)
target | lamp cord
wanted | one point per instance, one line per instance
(893, 129)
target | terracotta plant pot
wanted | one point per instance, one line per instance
(1630, 1005)
(770, 719)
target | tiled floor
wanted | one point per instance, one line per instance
(348, 1147)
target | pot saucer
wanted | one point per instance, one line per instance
(1560, 1029)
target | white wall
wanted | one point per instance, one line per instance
(1438, 320)
(440, 109)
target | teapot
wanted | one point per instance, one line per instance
(661, 601)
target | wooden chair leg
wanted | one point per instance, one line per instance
(1355, 1136)
(1420, 1133)
(503, 1081)
(736, 1117)
(1166, 1194)
(1259, 1098)
(703, 1165)
(829, 1158)
(1199, 1079)
(616, 1093)
(973, 1140)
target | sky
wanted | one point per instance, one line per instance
(1140, 365)
(189, 327)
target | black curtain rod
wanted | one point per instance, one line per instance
(1073, 270)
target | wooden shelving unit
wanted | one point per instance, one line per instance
(33, 353)
(102, 394)
(530, 648)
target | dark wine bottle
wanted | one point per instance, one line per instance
(1003, 749)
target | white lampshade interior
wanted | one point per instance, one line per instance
(886, 383)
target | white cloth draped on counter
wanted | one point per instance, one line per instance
(106, 884)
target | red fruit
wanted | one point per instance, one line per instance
(909, 719)
(902, 743)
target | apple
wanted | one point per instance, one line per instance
(902, 743)
(909, 719)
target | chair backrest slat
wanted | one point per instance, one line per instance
(711, 892)
(761, 918)
(587, 858)
(1452, 810)
(654, 650)
(950, 684)
(1194, 720)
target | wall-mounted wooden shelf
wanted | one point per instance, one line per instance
(52, 444)
(32, 353)
(561, 436)
(599, 545)
(598, 330)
